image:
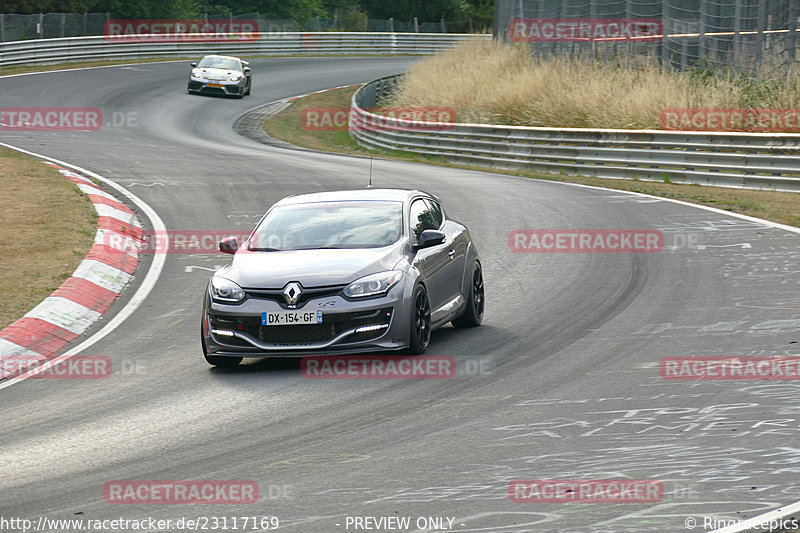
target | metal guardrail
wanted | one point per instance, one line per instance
(316, 43)
(747, 160)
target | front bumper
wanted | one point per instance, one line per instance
(220, 87)
(348, 326)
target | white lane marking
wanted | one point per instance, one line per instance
(131, 184)
(189, 268)
(136, 300)
(742, 245)
(145, 62)
(65, 314)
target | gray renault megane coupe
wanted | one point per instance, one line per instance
(342, 272)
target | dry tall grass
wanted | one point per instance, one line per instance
(496, 83)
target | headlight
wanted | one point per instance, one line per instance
(195, 73)
(373, 284)
(236, 77)
(224, 290)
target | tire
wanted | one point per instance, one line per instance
(219, 360)
(249, 88)
(473, 314)
(420, 329)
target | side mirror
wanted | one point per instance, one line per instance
(229, 245)
(247, 69)
(430, 237)
(194, 65)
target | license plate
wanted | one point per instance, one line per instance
(291, 318)
(215, 85)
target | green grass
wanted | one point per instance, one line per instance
(47, 226)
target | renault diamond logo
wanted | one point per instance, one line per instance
(292, 293)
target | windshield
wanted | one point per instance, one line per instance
(219, 62)
(362, 224)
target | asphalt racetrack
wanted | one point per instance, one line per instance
(561, 381)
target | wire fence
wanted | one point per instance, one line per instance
(54, 25)
(742, 36)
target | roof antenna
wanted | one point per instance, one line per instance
(369, 186)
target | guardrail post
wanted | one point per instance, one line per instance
(701, 44)
(40, 26)
(63, 23)
(792, 40)
(629, 15)
(416, 25)
(391, 24)
(84, 21)
(664, 39)
(762, 22)
(2, 28)
(592, 15)
(737, 36)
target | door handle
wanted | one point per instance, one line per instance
(451, 253)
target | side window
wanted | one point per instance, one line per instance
(421, 217)
(436, 211)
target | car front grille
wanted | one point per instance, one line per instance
(333, 325)
(276, 295)
(297, 334)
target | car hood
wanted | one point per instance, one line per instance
(218, 73)
(311, 268)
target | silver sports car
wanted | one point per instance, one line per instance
(342, 272)
(221, 75)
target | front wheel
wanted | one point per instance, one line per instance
(473, 314)
(420, 334)
(219, 360)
